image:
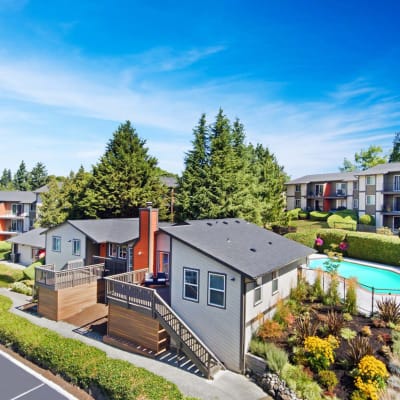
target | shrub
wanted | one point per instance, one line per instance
(306, 238)
(328, 380)
(350, 302)
(316, 291)
(367, 219)
(300, 382)
(359, 347)
(389, 310)
(335, 322)
(293, 214)
(283, 315)
(275, 357)
(347, 333)
(319, 353)
(305, 327)
(370, 376)
(341, 221)
(300, 292)
(366, 331)
(29, 272)
(332, 296)
(319, 215)
(20, 287)
(304, 215)
(79, 363)
(269, 330)
(347, 317)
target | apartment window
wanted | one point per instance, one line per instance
(396, 183)
(319, 189)
(257, 294)
(163, 262)
(355, 203)
(16, 226)
(297, 203)
(122, 252)
(76, 247)
(35, 253)
(112, 249)
(16, 209)
(191, 284)
(371, 180)
(274, 282)
(370, 200)
(297, 188)
(340, 189)
(216, 289)
(355, 185)
(56, 243)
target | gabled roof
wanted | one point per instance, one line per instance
(18, 196)
(115, 230)
(381, 169)
(245, 247)
(32, 238)
(330, 177)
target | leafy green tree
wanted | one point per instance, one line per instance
(348, 166)
(395, 154)
(22, 178)
(369, 158)
(38, 176)
(125, 178)
(54, 209)
(6, 182)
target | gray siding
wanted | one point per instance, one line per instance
(218, 328)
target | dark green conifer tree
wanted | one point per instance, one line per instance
(38, 176)
(22, 178)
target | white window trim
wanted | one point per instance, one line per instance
(371, 177)
(76, 243)
(275, 278)
(56, 239)
(258, 288)
(297, 203)
(355, 203)
(210, 289)
(111, 248)
(196, 285)
(370, 196)
(121, 250)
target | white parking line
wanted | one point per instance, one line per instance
(28, 391)
(54, 386)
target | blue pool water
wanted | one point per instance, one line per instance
(366, 275)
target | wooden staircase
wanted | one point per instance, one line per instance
(122, 290)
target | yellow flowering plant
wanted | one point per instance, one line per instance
(319, 353)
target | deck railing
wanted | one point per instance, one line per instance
(46, 276)
(124, 288)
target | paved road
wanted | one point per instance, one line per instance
(17, 381)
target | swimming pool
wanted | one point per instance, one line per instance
(366, 275)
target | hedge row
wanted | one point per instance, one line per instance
(83, 365)
(361, 245)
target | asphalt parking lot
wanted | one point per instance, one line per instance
(17, 381)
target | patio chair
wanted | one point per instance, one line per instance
(161, 278)
(148, 278)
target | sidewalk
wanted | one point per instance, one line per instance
(225, 386)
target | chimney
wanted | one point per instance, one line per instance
(144, 250)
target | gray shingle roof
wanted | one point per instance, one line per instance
(329, 177)
(31, 238)
(381, 169)
(18, 196)
(115, 230)
(241, 245)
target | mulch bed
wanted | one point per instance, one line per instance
(379, 336)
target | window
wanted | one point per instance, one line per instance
(371, 180)
(191, 284)
(112, 249)
(340, 189)
(56, 243)
(17, 209)
(297, 203)
(216, 289)
(355, 203)
(257, 294)
(16, 226)
(396, 183)
(163, 262)
(297, 188)
(274, 282)
(370, 200)
(355, 185)
(76, 247)
(319, 189)
(122, 252)
(35, 253)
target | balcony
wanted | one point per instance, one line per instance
(391, 189)
(10, 215)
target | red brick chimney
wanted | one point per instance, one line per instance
(144, 250)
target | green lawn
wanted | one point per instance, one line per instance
(9, 275)
(306, 225)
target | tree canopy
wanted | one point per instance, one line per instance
(395, 154)
(225, 177)
(365, 159)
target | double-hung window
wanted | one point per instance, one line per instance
(56, 243)
(122, 252)
(275, 286)
(76, 247)
(257, 294)
(191, 284)
(216, 289)
(370, 200)
(371, 180)
(112, 250)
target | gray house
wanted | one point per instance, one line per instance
(223, 275)
(78, 242)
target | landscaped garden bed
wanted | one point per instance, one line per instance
(324, 349)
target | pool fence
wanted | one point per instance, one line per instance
(367, 296)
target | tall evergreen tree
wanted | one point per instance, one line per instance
(38, 176)
(54, 209)
(125, 178)
(6, 182)
(193, 197)
(395, 154)
(21, 178)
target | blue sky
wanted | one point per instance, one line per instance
(314, 81)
